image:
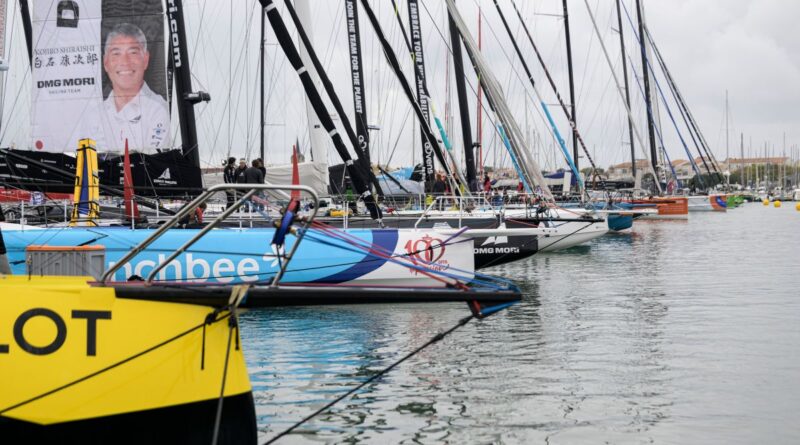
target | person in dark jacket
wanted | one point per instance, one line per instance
(229, 176)
(239, 172)
(439, 186)
(261, 167)
(253, 175)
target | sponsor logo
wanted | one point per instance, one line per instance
(57, 83)
(428, 252)
(189, 267)
(165, 175)
(175, 39)
(493, 241)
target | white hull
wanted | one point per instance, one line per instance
(700, 204)
(571, 234)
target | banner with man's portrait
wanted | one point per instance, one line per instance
(99, 72)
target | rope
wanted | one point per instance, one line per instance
(438, 337)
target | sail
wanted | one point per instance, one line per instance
(422, 96)
(99, 71)
(317, 134)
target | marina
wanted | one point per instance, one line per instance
(684, 337)
(415, 221)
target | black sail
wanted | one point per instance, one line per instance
(391, 58)
(357, 175)
(463, 105)
(422, 88)
(357, 76)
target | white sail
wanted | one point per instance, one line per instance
(318, 137)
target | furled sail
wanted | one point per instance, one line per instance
(529, 168)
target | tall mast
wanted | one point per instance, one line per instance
(627, 90)
(479, 120)
(261, 94)
(741, 171)
(646, 78)
(186, 98)
(571, 86)
(463, 105)
(422, 97)
(727, 131)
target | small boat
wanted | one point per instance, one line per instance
(708, 203)
(668, 207)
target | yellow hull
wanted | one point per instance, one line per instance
(70, 353)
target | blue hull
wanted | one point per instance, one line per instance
(223, 256)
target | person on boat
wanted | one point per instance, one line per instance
(439, 186)
(5, 267)
(261, 167)
(229, 176)
(239, 173)
(487, 184)
(133, 111)
(195, 218)
(253, 175)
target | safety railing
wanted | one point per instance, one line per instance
(249, 190)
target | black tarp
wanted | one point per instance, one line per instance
(163, 174)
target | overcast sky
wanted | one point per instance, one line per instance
(749, 48)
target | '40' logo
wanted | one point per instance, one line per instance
(425, 249)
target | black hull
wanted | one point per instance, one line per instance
(189, 423)
(305, 295)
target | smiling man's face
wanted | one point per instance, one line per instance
(125, 62)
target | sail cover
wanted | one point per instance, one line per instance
(99, 72)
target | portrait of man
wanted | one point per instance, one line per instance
(133, 111)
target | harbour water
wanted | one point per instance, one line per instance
(678, 332)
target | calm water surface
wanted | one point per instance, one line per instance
(678, 332)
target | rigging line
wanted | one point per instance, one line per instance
(397, 141)
(332, 39)
(685, 113)
(656, 127)
(583, 82)
(484, 106)
(619, 90)
(666, 105)
(541, 101)
(438, 337)
(230, 73)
